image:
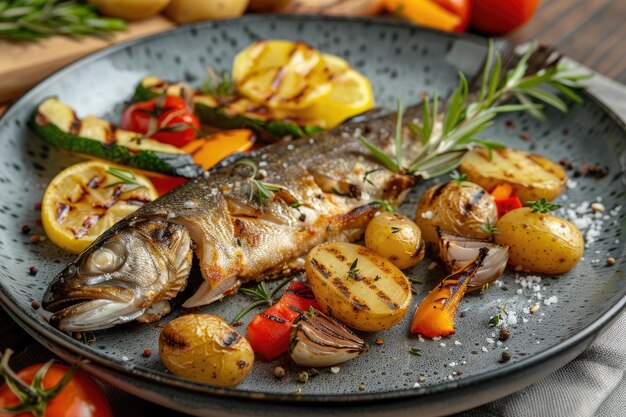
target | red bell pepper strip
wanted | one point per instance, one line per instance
(268, 332)
(507, 204)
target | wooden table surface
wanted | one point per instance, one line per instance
(592, 32)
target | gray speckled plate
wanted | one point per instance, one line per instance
(402, 61)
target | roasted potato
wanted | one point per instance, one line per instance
(395, 237)
(204, 348)
(130, 9)
(532, 176)
(456, 207)
(540, 242)
(357, 286)
(187, 11)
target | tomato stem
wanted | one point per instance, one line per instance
(34, 397)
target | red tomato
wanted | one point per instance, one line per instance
(268, 332)
(166, 119)
(495, 17)
(81, 397)
(461, 8)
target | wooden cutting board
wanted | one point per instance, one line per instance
(24, 64)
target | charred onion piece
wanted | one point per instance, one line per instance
(317, 340)
(435, 315)
(457, 252)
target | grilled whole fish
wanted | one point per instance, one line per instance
(320, 192)
(249, 221)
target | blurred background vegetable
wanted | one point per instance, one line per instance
(130, 9)
(30, 20)
(187, 11)
(497, 17)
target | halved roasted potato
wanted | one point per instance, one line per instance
(532, 176)
(357, 286)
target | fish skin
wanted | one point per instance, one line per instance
(235, 237)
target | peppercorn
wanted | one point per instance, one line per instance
(504, 334)
(279, 372)
(32, 271)
(379, 341)
(303, 377)
(506, 356)
(147, 353)
(25, 229)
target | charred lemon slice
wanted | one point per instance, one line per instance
(86, 199)
(351, 94)
(281, 74)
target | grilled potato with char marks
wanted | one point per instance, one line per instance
(532, 177)
(357, 286)
(456, 207)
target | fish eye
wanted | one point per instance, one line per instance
(108, 258)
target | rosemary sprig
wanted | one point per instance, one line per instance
(262, 296)
(125, 176)
(465, 119)
(262, 189)
(218, 84)
(30, 20)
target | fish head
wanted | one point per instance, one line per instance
(120, 277)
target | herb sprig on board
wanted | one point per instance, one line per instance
(445, 141)
(31, 20)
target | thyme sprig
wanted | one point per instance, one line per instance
(262, 189)
(218, 84)
(457, 177)
(465, 118)
(542, 206)
(489, 228)
(262, 296)
(30, 20)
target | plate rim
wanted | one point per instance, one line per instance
(173, 382)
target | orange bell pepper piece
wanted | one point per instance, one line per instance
(424, 12)
(435, 315)
(211, 149)
(502, 191)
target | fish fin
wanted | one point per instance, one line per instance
(206, 294)
(155, 312)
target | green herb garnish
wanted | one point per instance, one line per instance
(542, 206)
(262, 189)
(496, 318)
(395, 229)
(464, 120)
(458, 178)
(31, 20)
(262, 295)
(415, 351)
(368, 173)
(384, 203)
(489, 228)
(354, 271)
(218, 84)
(125, 176)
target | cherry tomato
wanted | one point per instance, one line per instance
(495, 17)
(81, 397)
(461, 8)
(167, 119)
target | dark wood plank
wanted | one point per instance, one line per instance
(589, 31)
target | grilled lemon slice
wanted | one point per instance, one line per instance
(281, 74)
(351, 94)
(86, 199)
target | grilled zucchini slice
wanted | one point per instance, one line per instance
(57, 124)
